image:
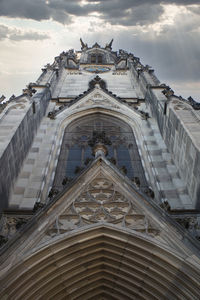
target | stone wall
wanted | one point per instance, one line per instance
(18, 127)
(179, 125)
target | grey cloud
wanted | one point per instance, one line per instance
(3, 32)
(126, 12)
(19, 35)
(174, 55)
(195, 9)
(139, 15)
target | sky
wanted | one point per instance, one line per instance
(164, 34)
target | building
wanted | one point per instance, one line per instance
(100, 183)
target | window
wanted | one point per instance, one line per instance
(76, 153)
(96, 59)
(93, 59)
(100, 59)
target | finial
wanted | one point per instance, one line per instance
(83, 45)
(2, 98)
(109, 45)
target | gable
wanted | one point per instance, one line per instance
(101, 201)
(101, 195)
(97, 98)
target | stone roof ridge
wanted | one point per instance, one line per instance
(6, 104)
(168, 92)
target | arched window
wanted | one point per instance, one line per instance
(76, 150)
(96, 59)
(100, 59)
(93, 59)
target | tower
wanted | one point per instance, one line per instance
(99, 183)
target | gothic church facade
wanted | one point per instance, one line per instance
(99, 183)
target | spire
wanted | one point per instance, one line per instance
(109, 45)
(83, 45)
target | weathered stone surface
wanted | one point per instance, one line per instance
(107, 230)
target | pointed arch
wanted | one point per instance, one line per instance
(76, 151)
(103, 260)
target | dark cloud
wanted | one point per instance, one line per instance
(131, 16)
(126, 12)
(195, 9)
(19, 35)
(174, 54)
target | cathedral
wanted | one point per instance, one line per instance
(99, 183)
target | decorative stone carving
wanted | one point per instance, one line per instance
(2, 98)
(192, 224)
(74, 73)
(119, 73)
(180, 107)
(136, 180)
(165, 205)
(10, 224)
(38, 206)
(99, 137)
(2, 105)
(83, 45)
(52, 115)
(97, 80)
(29, 90)
(98, 101)
(18, 106)
(193, 103)
(145, 115)
(96, 45)
(12, 97)
(53, 192)
(168, 92)
(102, 202)
(48, 67)
(109, 45)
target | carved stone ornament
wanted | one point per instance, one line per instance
(97, 80)
(10, 225)
(168, 92)
(103, 102)
(193, 103)
(29, 90)
(84, 46)
(2, 98)
(109, 45)
(192, 224)
(102, 202)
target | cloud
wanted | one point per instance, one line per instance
(126, 12)
(162, 35)
(195, 9)
(15, 34)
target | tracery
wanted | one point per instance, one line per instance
(77, 151)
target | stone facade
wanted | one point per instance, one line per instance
(144, 184)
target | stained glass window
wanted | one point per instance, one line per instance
(76, 153)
